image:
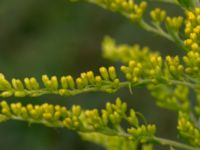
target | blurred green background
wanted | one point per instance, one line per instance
(58, 38)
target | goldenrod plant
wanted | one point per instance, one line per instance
(170, 79)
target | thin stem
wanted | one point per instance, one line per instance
(177, 39)
(171, 36)
(192, 86)
(174, 2)
(149, 28)
(58, 124)
(167, 1)
(167, 142)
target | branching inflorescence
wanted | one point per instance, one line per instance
(170, 79)
(107, 121)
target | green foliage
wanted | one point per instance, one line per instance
(170, 79)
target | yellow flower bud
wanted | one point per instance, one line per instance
(17, 84)
(104, 73)
(34, 84)
(6, 94)
(47, 116)
(70, 82)
(98, 80)
(27, 83)
(64, 82)
(90, 76)
(85, 78)
(112, 73)
(79, 83)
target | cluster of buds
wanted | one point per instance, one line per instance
(107, 81)
(171, 97)
(188, 131)
(73, 121)
(145, 67)
(192, 61)
(154, 68)
(47, 114)
(127, 8)
(124, 53)
(77, 119)
(133, 71)
(158, 15)
(143, 133)
(174, 66)
(113, 114)
(174, 23)
(192, 29)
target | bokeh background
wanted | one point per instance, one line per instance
(58, 38)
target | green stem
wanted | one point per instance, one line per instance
(177, 39)
(167, 1)
(149, 28)
(192, 86)
(167, 142)
(171, 36)
(57, 124)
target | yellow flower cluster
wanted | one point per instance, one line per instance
(124, 53)
(192, 32)
(129, 8)
(174, 23)
(154, 69)
(192, 29)
(113, 114)
(171, 97)
(107, 121)
(167, 74)
(174, 66)
(158, 15)
(188, 131)
(163, 73)
(192, 61)
(107, 81)
(153, 63)
(165, 26)
(133, 71)
(47, 114)
(142, 132)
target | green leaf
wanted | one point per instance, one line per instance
(186, 3)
